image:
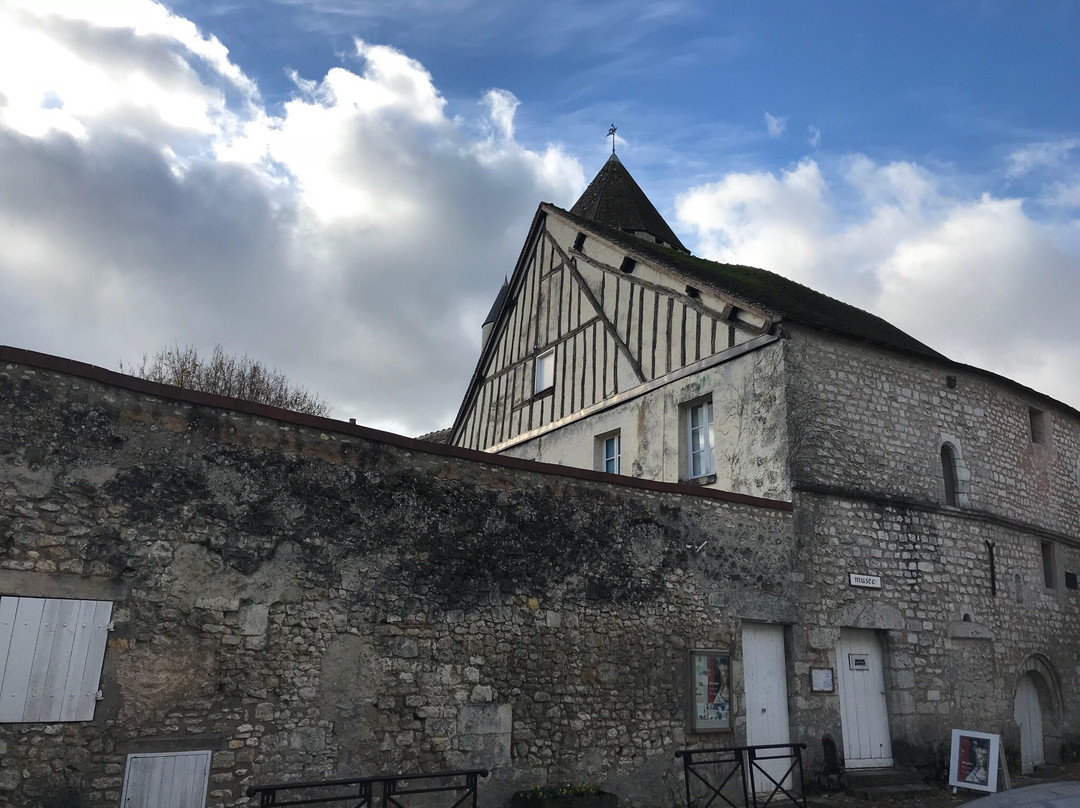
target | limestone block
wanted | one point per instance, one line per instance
(254, 619)
(485, 719)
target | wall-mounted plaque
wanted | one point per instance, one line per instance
(710, 689)
(865, 581)
(821, 680)
(858, 662)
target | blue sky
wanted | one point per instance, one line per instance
(338, 187)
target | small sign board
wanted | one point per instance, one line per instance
(974, 760)
(865, 581)
(821, 680)
(858, 662)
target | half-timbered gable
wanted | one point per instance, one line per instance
(584, 321)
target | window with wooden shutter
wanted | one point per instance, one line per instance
(166, 780)
(51, 651)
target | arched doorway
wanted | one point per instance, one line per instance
(1035, 706)
(1028, 714)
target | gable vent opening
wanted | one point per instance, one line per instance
(579, 242)
(692, 292)
(627, 265)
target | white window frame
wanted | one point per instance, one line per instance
(700, 454)
(51, 655)
(611, 453)
(544, 372)
(150, 779)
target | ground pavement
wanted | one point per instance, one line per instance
(1051, 787)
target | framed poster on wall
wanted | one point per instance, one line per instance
(710, 690)
(974, 760)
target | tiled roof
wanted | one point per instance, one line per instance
(778, 296)
(438, 436)
(615, 200)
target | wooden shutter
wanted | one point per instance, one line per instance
(166, 780)
(51, 651)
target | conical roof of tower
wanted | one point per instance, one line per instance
(615, 200)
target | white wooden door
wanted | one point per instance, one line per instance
(765, 677)
(864, 716)
(166, 780)
(1028, 715)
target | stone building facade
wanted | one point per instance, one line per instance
(936, 507)
(303, 598)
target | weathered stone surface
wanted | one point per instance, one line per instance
(324, 604)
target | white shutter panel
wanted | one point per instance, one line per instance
(51, 650)
(166, 780)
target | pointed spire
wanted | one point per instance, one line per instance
(614, 199)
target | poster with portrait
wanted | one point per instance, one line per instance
(710, 709)
(974, 760)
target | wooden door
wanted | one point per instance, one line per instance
(1028, 715)
(166, 780)
(765, 677)
(864, 716)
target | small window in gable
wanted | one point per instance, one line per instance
(609, 453)
(1037, 418)
(579, 241)
(545, 372)
(948, 469)
(51, 652)
(627, 265)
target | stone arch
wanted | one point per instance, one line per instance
(1037, 703)
(953, 475)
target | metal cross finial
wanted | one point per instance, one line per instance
(611, 134)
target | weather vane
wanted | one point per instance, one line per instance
(611, 134)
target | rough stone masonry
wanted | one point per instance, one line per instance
(306, 599)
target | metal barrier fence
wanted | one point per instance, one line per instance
(372, 792)
(716, 768)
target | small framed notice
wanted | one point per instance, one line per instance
(974, 760)
(821, 680)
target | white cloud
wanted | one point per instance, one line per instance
(502, 105)
(814, 136)
(974, 277)
(1047, 154)
(775, 125)
(355, 240)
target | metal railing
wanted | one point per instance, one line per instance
(716, 768)
(382, 791)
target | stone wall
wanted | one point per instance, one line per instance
(958, 629)
(307, 599)
(873, 421)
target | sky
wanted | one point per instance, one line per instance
(338, 187)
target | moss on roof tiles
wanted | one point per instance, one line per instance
(777, 295)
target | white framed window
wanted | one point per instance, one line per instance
(699, 439)
(51, 652)
(610, 454)
(545, 371)
(175, 779)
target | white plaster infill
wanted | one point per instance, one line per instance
(689, 370)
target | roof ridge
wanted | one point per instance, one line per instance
(767, 290)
